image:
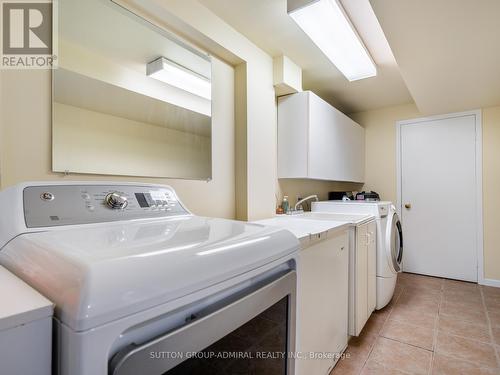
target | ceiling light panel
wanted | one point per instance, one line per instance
(328, 26)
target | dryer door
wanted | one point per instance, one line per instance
(395, 238)
(252, 329)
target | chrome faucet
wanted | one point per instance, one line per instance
(314, 196)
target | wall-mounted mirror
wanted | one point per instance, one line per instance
(128, 98)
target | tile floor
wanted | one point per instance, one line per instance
(431, 326)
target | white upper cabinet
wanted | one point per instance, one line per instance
(317, 141)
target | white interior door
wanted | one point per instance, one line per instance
(439, 197)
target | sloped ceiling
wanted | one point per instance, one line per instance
(445, 53)
(266, 24)
(448, 51)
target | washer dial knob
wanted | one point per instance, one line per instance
(116, 201)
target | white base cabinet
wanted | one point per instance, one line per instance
(317, 141)
(27, 349)
(362, 275)
(322, 303)
(25, 328)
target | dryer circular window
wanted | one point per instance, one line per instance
(394, 240)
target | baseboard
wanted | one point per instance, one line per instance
(487, 282)
(490, 282)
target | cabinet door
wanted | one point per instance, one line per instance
(336, 144)
(316, 140)
(340, 290)
(361, 289)
(293, 129)
(372, 266)
(323, 163)
(322, 302)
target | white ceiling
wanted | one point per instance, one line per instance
(448, 51)
(266, 24)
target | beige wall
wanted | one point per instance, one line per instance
(25, 141)
(491, 190)
(295, 188)
(381, 168)
(241, 180)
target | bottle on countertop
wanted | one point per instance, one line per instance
(285, 205)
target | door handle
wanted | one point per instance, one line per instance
(408, 206)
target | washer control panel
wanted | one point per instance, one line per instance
(56, 205)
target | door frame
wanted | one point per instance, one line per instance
(479, 181)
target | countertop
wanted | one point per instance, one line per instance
(302, 227)
(311, 226)
(353, 219)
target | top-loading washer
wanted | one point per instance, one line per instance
(142, 286)
(389, 240)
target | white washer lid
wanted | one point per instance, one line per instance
(21, 304)
(97, 273)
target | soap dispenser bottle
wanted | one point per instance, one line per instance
(285, 204)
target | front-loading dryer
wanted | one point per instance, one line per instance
(389, 240)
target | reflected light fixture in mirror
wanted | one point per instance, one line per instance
(183, 78)
(329, 27)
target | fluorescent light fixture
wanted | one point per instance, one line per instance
(329, 27)
(183, 78)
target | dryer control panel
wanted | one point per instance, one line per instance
(56, 205)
